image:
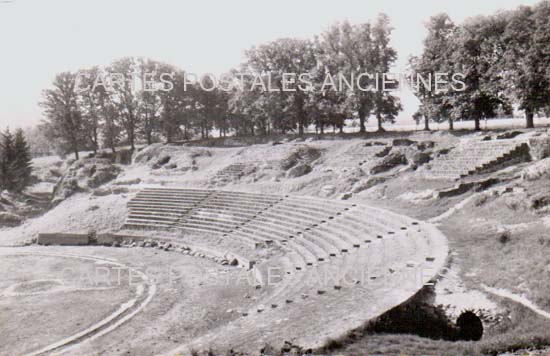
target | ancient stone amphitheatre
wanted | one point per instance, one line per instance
(235, 246)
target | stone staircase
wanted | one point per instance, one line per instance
(360, 155)
(472, 157)
(232, 172)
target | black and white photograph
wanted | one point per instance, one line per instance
(273, 178)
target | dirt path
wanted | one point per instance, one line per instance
(503, 293)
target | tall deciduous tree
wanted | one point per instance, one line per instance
(64, 122)
(541, 25)
(89, 102)
(477, 52)
(174, 109)
(526, 59)
(347, 51)
(125, 96)
(281, 57)
(432, 62)
(149, 98)
(386, 105)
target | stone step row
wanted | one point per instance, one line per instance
(318, 233)
(471, 157)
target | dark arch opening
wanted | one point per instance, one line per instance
(470, 326)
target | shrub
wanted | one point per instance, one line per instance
(505, 237)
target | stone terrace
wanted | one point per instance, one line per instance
(474, 156)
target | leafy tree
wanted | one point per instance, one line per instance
(89, 102)
(246, 110)
(125, 98)
(434, 60)
(252, 108)
(282, 56)
(329, 107)
(176, 107)
(110, 128)
(386, 106)
(64, 122)
(39, 144)
(206, 106)
(149, 96)
(477, 52)
(347, 51)
(526, 59)
(542, 33)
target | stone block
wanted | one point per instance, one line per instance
(63, 239)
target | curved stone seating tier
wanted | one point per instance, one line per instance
(241, 205)
(157, 212)
(350, 229)
(154, 217)
(205, 223)
(309, 225)
(161, 202)
(300, 221)
(237, 215)
(311, 230)
(241, 208)
(284, 268)
(338, 234)
(318, 205)
(391, 256)
(345, 277)
(318, 223)
(142, 224)
(325, 301)
(287, 231)
(247, 195)
(314, 249)
(190, 194)
(329, 244)
(177, 190)
(328, 254)
(246, 242)
(169, 197)
(309, 251)
(326, 276)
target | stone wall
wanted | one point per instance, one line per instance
(61, 239)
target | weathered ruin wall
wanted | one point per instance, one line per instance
(539, 147)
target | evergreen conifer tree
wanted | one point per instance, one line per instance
(21, 165)
(7, 157)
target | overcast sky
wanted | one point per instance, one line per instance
(39, 38)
